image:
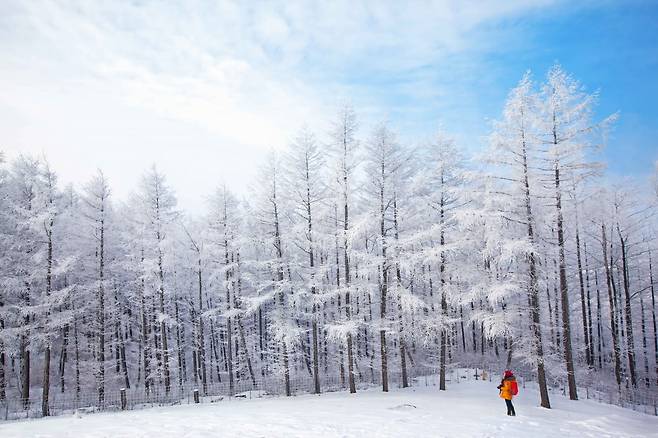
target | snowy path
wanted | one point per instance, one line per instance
(468, 409)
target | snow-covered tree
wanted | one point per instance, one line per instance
(349, 264)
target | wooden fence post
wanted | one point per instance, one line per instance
(124, 401)
(196, 396)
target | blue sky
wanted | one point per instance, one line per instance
(610, 47)
(204, 88)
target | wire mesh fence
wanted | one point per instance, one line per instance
(136, 398)
(117, 399)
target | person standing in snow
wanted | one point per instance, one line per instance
(508, 389)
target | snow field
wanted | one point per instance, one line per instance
(467, 409)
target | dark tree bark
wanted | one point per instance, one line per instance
(653, 315)
(564, 291)
(599, 326)
(24, 353)
(627, 310)
(444, 303)
(592, 355)
(146, 348)
(345, 151)
(201, 362)
(163, 326)
(45, 410)
(645, 353)
(241, 326)
(280, 276)
(63, 357)
(76, 348)
(583, 305)
(533, 291)
(3, 381)
(179, 346)
(124, 363)
(384, 285)
(229, 304)
(100, 318)
(314, 323)
(611, 293)
(403, 358)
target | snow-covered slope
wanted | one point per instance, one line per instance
(467, 409)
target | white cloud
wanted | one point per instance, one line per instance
(203, 88)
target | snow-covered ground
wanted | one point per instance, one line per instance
(467, 409)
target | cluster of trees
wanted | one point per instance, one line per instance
(355, 258)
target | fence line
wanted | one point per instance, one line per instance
(135, 398)
(190, 393)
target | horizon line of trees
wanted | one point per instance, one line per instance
(355, 257)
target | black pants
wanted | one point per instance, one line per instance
(510, 407)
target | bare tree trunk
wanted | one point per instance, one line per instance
(163, 325)
(117, 352)
(592, 355)
(645, 352)
(261, 335)
(628, 316)
(25, 367)
(24, 353)
(246, 351)
(280, 276)
(599, 326)
(3, 381)
(653, 315)
(241, 326)
(384, 287)
(564, 292)
(461, 323)
(124, 364)
(619, 311)
(556, 314)
(229, 301)
(63, 355)
(533, 291)
(202, 349)
(316, 364)
(101, 312)
(215, 350)
(613, 319)
(550, 310)
(195, 342)
(442, 355)
(403, 358)
(350, 354)
(76, 344)
(286, 368)
(179, 346)
(588, 357)
(145, 337)
(45, 410)
(314, 334)
(348, 310)
(444, 304)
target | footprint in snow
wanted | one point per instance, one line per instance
(403, 407)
